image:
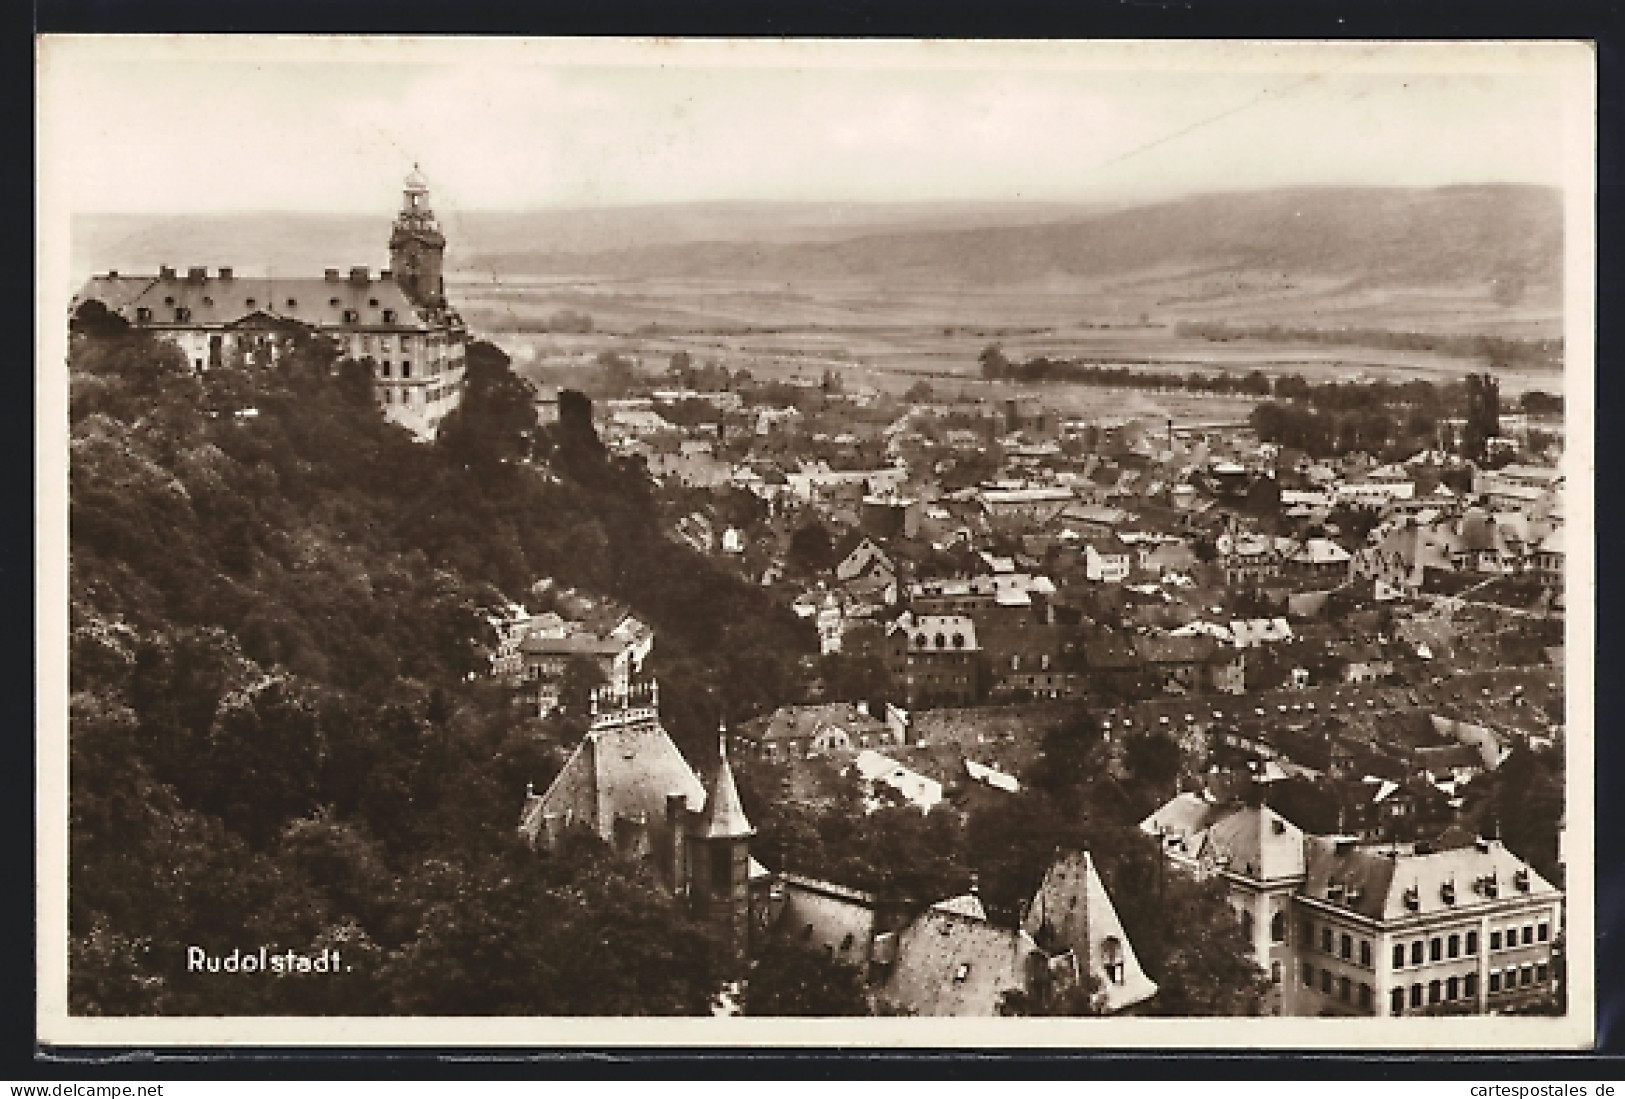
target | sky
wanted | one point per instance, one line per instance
(188, 125)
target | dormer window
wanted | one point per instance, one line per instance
(333, 302)
(350, 316)
(143, 314)
(372, 303)
(293, 303)
(207, 300)
(389, 316)
(169, 299)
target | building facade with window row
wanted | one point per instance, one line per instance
(1346, 928)
(398, 319)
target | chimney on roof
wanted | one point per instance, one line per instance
(332, 274)
(359, 276)
(386, 275)
(197, 274)
(225, 273)
(113, 273)
(166, 272)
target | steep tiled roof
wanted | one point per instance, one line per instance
(824, 916)
(621, 772)
(949, 964)
(724, 814)
(1256, 842)
(1071, 911)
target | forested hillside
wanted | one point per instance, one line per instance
(280, 733)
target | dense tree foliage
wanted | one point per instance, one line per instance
(281, 733)
(787, 979)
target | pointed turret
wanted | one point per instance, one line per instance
(724, 814)
(719, 859)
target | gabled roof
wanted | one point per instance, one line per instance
(1071, 911)
(966, 904)
(1184, 815)
(1193, 648)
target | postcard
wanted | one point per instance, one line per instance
(556, 543)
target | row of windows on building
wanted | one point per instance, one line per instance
(1438, 948)
(364, 345)
(1345, 989)
(386, 367)
(1451, 989)
(429, 395)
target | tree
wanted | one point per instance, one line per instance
(786, 979)
(496, 421)
(811, 550)
(582, 674)
(1152, 760)
(1483, 415)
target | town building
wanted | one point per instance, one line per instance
(1351, 928)
(398, 320)
(629, 785)
(616, 644)
(933, 658)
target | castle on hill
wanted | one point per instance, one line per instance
(399, 320)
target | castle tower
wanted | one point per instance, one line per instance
(719, 859)
(417, 247)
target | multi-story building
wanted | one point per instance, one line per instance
(1348, 928)
(398, 320)
(933, 658)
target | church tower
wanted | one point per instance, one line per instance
(417, 247)
(719, 860)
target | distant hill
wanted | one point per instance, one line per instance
(1467, 235)
(1370, 237)
(257, 241)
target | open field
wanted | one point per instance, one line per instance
(892, 338)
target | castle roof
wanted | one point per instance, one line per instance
(182, 301)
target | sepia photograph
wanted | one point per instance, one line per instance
(827, 542)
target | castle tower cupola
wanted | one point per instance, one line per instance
(417, 247)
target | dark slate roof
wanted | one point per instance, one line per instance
(1383, 877)
(724, 814)
(623, 772)
(218, 302)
